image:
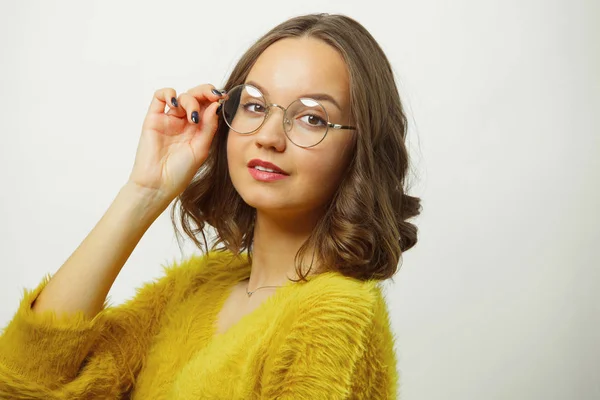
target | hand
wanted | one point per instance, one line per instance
(173, 145)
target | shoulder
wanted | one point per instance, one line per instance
(216, 264)
(333, 320)
(336, 300)
(339, 289)
(189, 274)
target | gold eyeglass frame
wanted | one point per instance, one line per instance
(268, 107)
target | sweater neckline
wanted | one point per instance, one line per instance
(244, 322)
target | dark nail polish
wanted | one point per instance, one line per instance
(174, 102)
(223, 91)
(195, 117)
(216, 92)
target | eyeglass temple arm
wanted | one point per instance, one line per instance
(338, 126)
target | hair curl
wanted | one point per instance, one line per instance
(364, 229)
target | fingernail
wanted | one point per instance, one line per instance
(174, 102)
(223, 91)
(216, 92)
(195, 117)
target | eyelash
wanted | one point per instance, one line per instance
(252, 104)
(320, 120)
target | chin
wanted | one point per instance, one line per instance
(265, 201)
(276, 197)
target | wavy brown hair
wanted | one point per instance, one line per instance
(364, 229)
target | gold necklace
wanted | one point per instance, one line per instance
(252, 292)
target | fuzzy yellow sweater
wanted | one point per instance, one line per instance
(328, 338)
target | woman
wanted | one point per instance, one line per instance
(299, 165)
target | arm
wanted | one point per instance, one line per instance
(82, 283)
(46, 357)
(61, 344)
(57, 325)
(338, 347)
(43, 356)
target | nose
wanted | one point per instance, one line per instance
(271, 133)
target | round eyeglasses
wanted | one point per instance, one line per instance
(305, 120)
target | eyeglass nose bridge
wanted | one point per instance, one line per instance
(287, 123)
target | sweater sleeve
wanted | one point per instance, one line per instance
(339, 346)
(49, 356)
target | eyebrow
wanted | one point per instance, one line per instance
(316, 96)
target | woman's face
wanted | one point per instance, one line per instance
(287, 70)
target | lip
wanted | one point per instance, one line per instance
(265, 164)
(265, 176)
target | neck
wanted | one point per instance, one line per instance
(275, 244)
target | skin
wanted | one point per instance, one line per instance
(288, 209)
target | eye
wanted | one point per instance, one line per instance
(313, 120)
(254, 107)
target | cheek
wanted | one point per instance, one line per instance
(323, 170)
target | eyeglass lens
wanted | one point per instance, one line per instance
(304, 122)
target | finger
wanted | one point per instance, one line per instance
(201, 141)
(211, 119)
(163, 97)
(191, 106)
(206, 93)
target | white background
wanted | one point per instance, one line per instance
(498, 300)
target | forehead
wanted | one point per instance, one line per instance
(294, 66)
